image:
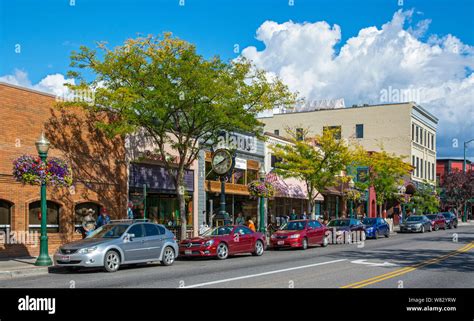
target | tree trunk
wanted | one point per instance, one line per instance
(180, 188)
(380, 211)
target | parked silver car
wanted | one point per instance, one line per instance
(416, 223)
(119, 243)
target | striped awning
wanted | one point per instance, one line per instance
(289, 187)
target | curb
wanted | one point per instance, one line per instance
(23, 272)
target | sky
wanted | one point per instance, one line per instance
(323, 49)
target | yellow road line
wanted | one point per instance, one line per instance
(405, 270)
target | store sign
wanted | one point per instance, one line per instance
(240, 142)
(156, 178)
(240, 163)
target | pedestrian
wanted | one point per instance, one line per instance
(304, 216)
(293, 215)
(250, 224)
(130, 211)
(240, 219)
(103, 218)
(88, 223)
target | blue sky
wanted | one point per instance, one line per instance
(49, 30)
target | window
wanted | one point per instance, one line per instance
(416, 136)
(362, 174)
(429, 171)
(161, 229)
(252, 175)
(315, 224)
(299, 134)
(413, 132)
(417, 167)
(151, 230)
(335, 129)
(137, 230)
(421, 168)
(82, 209)
(238, 176)
(426, 141)
(413, 161)
(360, 131)
(275, 160)
(426, 170)
(276, 132)
(432, 142)
(52, 214)
(433, 171)
(243, 230)
(5, 214)
(421, 136)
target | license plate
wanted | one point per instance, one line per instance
(66, 258)
(188, 252)
(281, 242)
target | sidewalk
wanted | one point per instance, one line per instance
(15, 267)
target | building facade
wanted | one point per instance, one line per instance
(446, 165)
(403, 129)
(98, 166)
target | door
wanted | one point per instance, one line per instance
(135, 248)
(317, 231)
(153, 241)
(243, 240)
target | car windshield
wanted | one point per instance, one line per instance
(432, 216)
(414, 218)
(295, 225)
(222, 230)
(339, 223)
(447, 215)
(369, 221)
(109, 231)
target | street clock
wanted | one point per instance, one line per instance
(222, 162)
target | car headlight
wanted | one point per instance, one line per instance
(209, 243)
(87, 250)
(294, 236)
(370, 229)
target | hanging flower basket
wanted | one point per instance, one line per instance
(261, 189)
(31, 170)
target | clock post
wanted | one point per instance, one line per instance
(222, 164)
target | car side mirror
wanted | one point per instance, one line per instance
(128, 237)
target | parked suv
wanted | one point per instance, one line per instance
(118, 243)
(450, 219)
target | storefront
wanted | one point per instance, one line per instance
(153, 195)
(249, 157)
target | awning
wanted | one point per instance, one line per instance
(289, 187)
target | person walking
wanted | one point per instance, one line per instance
(250, 224)
(103, 218)
(240, 219)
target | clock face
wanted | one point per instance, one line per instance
(221, 161)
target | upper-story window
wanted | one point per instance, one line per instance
(360, 131)
(416, 135)
(432, 142)
(276, 132)
(335, 129)
(413, 132)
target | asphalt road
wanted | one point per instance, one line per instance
(436, 259)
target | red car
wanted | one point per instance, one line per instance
(437, 221)
(223, 241)
(301, 234)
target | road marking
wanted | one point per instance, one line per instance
(402, 271)
(261, 274)
(373, 263)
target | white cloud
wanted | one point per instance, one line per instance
(304, 56)
(53, 84)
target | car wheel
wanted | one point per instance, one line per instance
(305, 244)
(455, 225)
(436, 227)
(222, 251)
(325, 242)
(423, 229)
(111, 261)
(168, 256)
(259, 248)
(376, 235)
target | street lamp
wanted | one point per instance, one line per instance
(351, 187)
(261, 176)
(42, 146)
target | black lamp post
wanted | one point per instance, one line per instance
(42, 146)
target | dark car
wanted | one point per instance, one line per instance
(450, 219)
(376, 226)
(300, 234)
(416, 223)
(437, 221)
(347, 229)
(223, 241)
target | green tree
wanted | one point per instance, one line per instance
(161, 86)
(386, 174)
(317, 161)
(425, 199)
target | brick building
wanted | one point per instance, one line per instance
(447, 165)
(98, 165)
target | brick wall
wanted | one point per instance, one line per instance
(98, 162)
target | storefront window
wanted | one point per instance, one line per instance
(164, 209)
(252, 175)
(238, 176)
(82, 209)
(5, 214)
(52, 216)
